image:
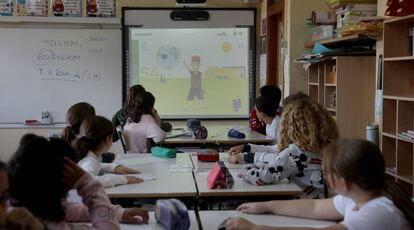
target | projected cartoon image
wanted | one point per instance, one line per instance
(196, 90)
(168, 57)
(193, 71)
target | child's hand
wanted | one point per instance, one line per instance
(239, 223)
(71, 173)
(125, 170)
(21, 218)
(235, 159)
(135, 216)
(134, 179)
(252, 208)
(236, 149)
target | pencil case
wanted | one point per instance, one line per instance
(163, 152)
(172, 214)
(209, 157)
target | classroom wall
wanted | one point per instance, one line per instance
(297, 11)
(9, 137)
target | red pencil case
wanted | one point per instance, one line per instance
(210, 157)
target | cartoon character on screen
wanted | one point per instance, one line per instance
(58, 8)
(196, 90)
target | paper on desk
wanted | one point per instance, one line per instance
(144, 176)
(181, 169)
(140, 160)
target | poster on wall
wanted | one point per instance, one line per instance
(6, 7)
(262, 71)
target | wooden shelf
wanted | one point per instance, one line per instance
(405, 19)
(399, 98)
(406, 58)
(330, 84)
(390, 135)
(330, 109)
(313, 84)
(406, 178)
(341, 41)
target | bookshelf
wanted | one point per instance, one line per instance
(345, 86)
(398, 101)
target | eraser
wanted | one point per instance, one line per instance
(30, 122)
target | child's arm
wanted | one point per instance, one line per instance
(153, 131)
(276, 170)
(323, 209)
(116, 168)
(111, 180)
(186, 66)
(241, 223)
(101, 214)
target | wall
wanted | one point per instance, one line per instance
(9, 137)
(297, 11)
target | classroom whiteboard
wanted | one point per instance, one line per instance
(51, 69)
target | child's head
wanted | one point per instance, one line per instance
(74, 118)
(195, 62)
(273, 92)
(350, 162)
(36, 177)
(132, 98)
(145, 105)
(295, 96)
(95, 135)
(307, 124)
(265, 108)
(4, 191)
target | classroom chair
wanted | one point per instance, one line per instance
(121, 138)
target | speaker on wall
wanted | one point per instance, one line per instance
(189, 15)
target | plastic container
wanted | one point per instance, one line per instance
(321, 32)
(372, 133)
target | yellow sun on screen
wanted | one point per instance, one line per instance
(226, 47)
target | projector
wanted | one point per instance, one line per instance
(191, 3)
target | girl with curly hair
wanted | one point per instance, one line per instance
(306, 127)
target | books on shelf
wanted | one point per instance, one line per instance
(406, 136)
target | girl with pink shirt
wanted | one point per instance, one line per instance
(143, 125)
(41, 173)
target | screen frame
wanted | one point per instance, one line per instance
(252, 40)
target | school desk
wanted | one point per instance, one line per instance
(242, 188)
(174, 177)
(203, 166)
(211, 219)
(218, 135)
(152, 223)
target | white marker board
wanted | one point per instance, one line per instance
(52, 69)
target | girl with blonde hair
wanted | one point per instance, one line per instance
(306, 127)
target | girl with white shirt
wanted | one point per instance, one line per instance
(95, 139)
(355, 170)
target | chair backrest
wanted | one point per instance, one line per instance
(121, 138)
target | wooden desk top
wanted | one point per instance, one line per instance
(152, 223)
(174, 177)
(242, 188)
(218, 135)
(211, 219)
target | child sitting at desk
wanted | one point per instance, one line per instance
(251, 150)
(141, 127)
(95, 139)
(274, 94)
(41, 173)
(355, 170)
(74, 118)
(306, 128)
(133, 96)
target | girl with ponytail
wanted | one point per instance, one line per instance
(74, 118)
(366, 200)
(95, 138)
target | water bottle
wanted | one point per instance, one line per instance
(372, 133)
